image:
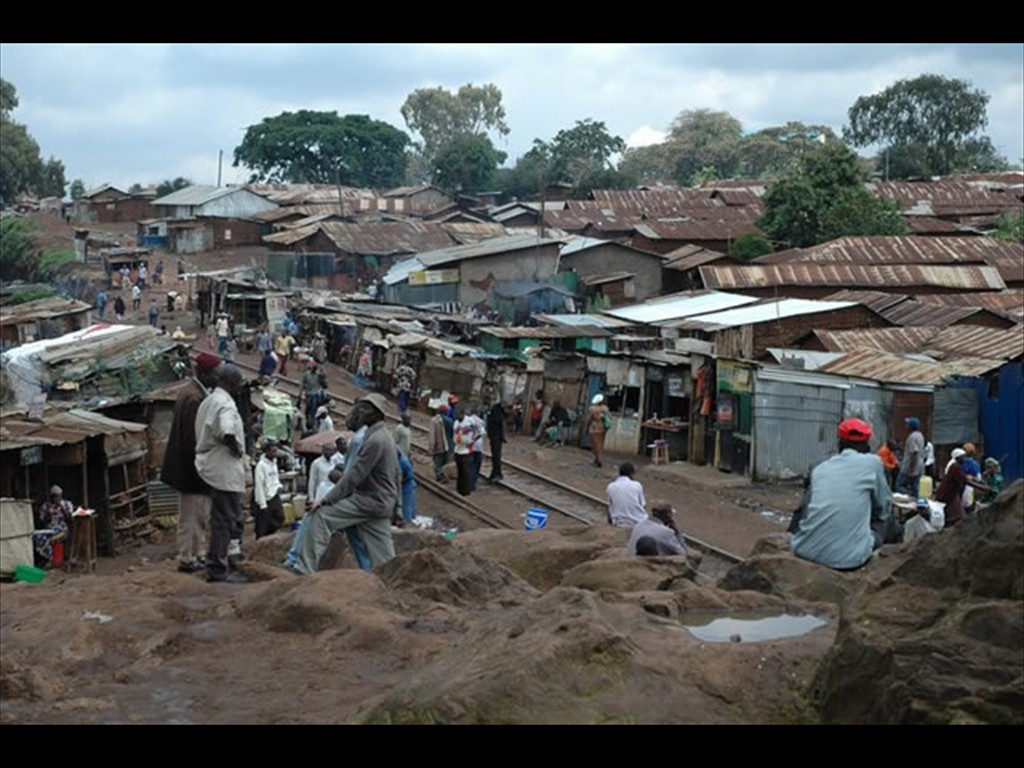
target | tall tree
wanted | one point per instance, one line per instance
(583, 150)
(440, 116)
(825, 198)
(650, 164)
(466, 163)
(323, 148)
(22, 170)
(702, 137)
(931, 124)
(166, 187)
(775, 152)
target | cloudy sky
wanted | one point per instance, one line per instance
(124, 113)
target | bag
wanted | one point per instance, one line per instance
(607, 420)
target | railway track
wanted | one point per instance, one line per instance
(496, 504)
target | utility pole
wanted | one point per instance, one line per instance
(220, 164)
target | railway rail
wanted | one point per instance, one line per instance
(571, 506)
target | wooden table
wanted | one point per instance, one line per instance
(83, 543)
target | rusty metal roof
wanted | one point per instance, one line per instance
(961, 277)
(698, 229)
(376, 238)
(41, 309)
(946, 196)
(883, 339)
(930, 225)
(1009, 302)
(990, 343)
(926, 313)
(889, 367)
(469, 232)
(490, 247)
(900, 249)
(61, 428)
(876, 300)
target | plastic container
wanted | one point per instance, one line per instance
(28, 573)
(57, 558)
(536, 518)
(925, 489)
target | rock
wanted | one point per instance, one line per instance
(790, 577)
(631, 574)
(941, 639)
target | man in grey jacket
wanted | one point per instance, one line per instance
(366, 496)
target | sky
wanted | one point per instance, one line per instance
(143, 113)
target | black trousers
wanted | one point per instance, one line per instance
(270, 519)
(495, 459)
(225, 524)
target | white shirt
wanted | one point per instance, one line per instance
(223, 328)
(218, 416)
(626, 503)
(478, 444)
(318, 472)
(327, 424)
(267, 483)
(323, 489)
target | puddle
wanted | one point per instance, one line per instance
(749, 627)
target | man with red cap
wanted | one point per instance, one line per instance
(179, 469)
(845, 513)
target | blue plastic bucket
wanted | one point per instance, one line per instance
(536, 518)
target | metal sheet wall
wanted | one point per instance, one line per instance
(874, 406)
(794, 427)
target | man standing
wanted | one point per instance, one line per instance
(319, 469)
(845, 513)
(283, 349)
(266, 492)
(220, 461)
(365, 497)
(101, 302)
(154, 312)
(136, 297)
(661, 527)
(439, 445)
(403, 435)
(626, 503)
(496, 437)
(478, 445)
(223, 334)
(264, 343)
(119, 308)
(909, 480)
(405, 378)
(313, 390)
(179, 470)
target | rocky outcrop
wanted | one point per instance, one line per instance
(941, 638)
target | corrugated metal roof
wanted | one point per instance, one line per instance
(886, 366)
(545, 332)
(592, 321)
(379, 238)
(464, 232)
(763, 312)
(923, 313)
(946, 196)
(679, 306)
(884, 339)
(805, 359)
(577, 244)
(41, 309)
(1009, 302)
(963, 277)
(886, 249)
(491, 247)
(613, 277)
(698, 229)
(990, 343)
(197, 194)
(695, 257)
(876, 300)
(61, 428)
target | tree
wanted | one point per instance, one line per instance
(775, 152)
(440, 116)
(466, 163)
(651, 164)
(750, 246)
(1010, 227)
(18, 250)
(77, 189)
(933, 120)
(22, 170)
(322, 148)
(825, 198)
(702, 137)
(165, 187)
(583, 150)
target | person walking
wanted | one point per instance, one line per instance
(403, 434)
(912, 467)
(154, 312)
(598, 422)
(464, 438)
(439, 446)
(496, 437)
(283, 349)
(405, 379)
(101, 303)
(179, 470)
(136, 298)
(478, 445)
(220, 462)
(119, 309)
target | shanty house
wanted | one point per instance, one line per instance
(622, 274)
(42, 319)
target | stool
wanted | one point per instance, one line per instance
(659, 452)
(83, 543)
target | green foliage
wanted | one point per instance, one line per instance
(775, 152)
(165, 187)
(22, 170)
(930, 125)
(1010, 227)
(18, 250)
(750, 246)
(652, 164)
(606, 178)
(825, 199)
(51, 263)
(77, 189)
(583, 150)
(702, 138)
(323, 148)
(32, 294)
(467, 163)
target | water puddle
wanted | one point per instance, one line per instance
(749, 627)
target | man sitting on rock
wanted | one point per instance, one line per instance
(845, 514)
(659, 527)
(365, 497)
